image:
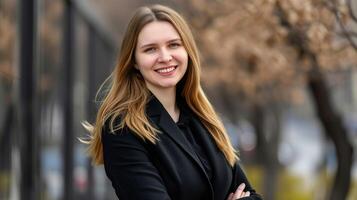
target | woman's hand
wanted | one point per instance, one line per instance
(239, 193)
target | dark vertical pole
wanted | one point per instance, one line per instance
(27, 138)
(68, 140)
(91, 107)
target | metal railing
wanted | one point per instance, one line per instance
(100, 53)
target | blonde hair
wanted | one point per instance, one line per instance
(128, 95)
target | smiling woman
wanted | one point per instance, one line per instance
(156, 133)
(160, 56)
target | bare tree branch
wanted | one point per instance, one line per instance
(345, 32)
(350, 10)
(350, 33)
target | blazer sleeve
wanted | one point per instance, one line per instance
(129, 168)
(238, 178)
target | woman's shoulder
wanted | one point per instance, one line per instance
(115, 130)
(113, 127)
(111, 124)
(115, 134)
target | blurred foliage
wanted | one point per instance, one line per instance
(353, 190)
(4, 183)
(7, 42)
(294, 187)
(7, 76)
(246, 48)
(289, 186)
(255, 176)
(50, 30)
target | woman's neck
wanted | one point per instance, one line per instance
(168, 99)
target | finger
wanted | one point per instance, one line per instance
(241, 196)
(230, 197)
(247, 194)
(239, 191)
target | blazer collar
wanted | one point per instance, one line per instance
(155, 109)
(158, 114)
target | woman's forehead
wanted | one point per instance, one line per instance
(157, 32)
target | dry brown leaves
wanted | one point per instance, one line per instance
(245, 47)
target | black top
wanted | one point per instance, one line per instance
(193, 139)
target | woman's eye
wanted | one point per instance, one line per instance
(149, 50)
(174, 45)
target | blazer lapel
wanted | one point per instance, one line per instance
(165, 122)
(169, 126)
(155, 109)
(222, 172)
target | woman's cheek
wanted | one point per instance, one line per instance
(147, 61)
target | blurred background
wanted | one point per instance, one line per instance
(281, 73)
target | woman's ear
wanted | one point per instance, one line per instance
(136, 66)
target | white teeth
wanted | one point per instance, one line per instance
(166, 70)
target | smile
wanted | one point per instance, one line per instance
(166, 69)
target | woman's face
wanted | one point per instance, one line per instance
(160, 56)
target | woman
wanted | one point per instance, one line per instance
(156, 133)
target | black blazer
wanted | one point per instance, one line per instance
(170, 169)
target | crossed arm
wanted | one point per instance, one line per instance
(241, 187)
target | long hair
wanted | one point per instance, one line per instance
(127, 95)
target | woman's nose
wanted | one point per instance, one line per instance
(165, 56)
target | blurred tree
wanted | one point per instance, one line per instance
(263, 51)
(50, 37)
(119, 13)
(304, 43)
(7, 75)
(7, 72)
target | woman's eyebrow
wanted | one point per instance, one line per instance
(174, 40)
(152, 44)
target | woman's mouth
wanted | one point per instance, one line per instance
(166, 70)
